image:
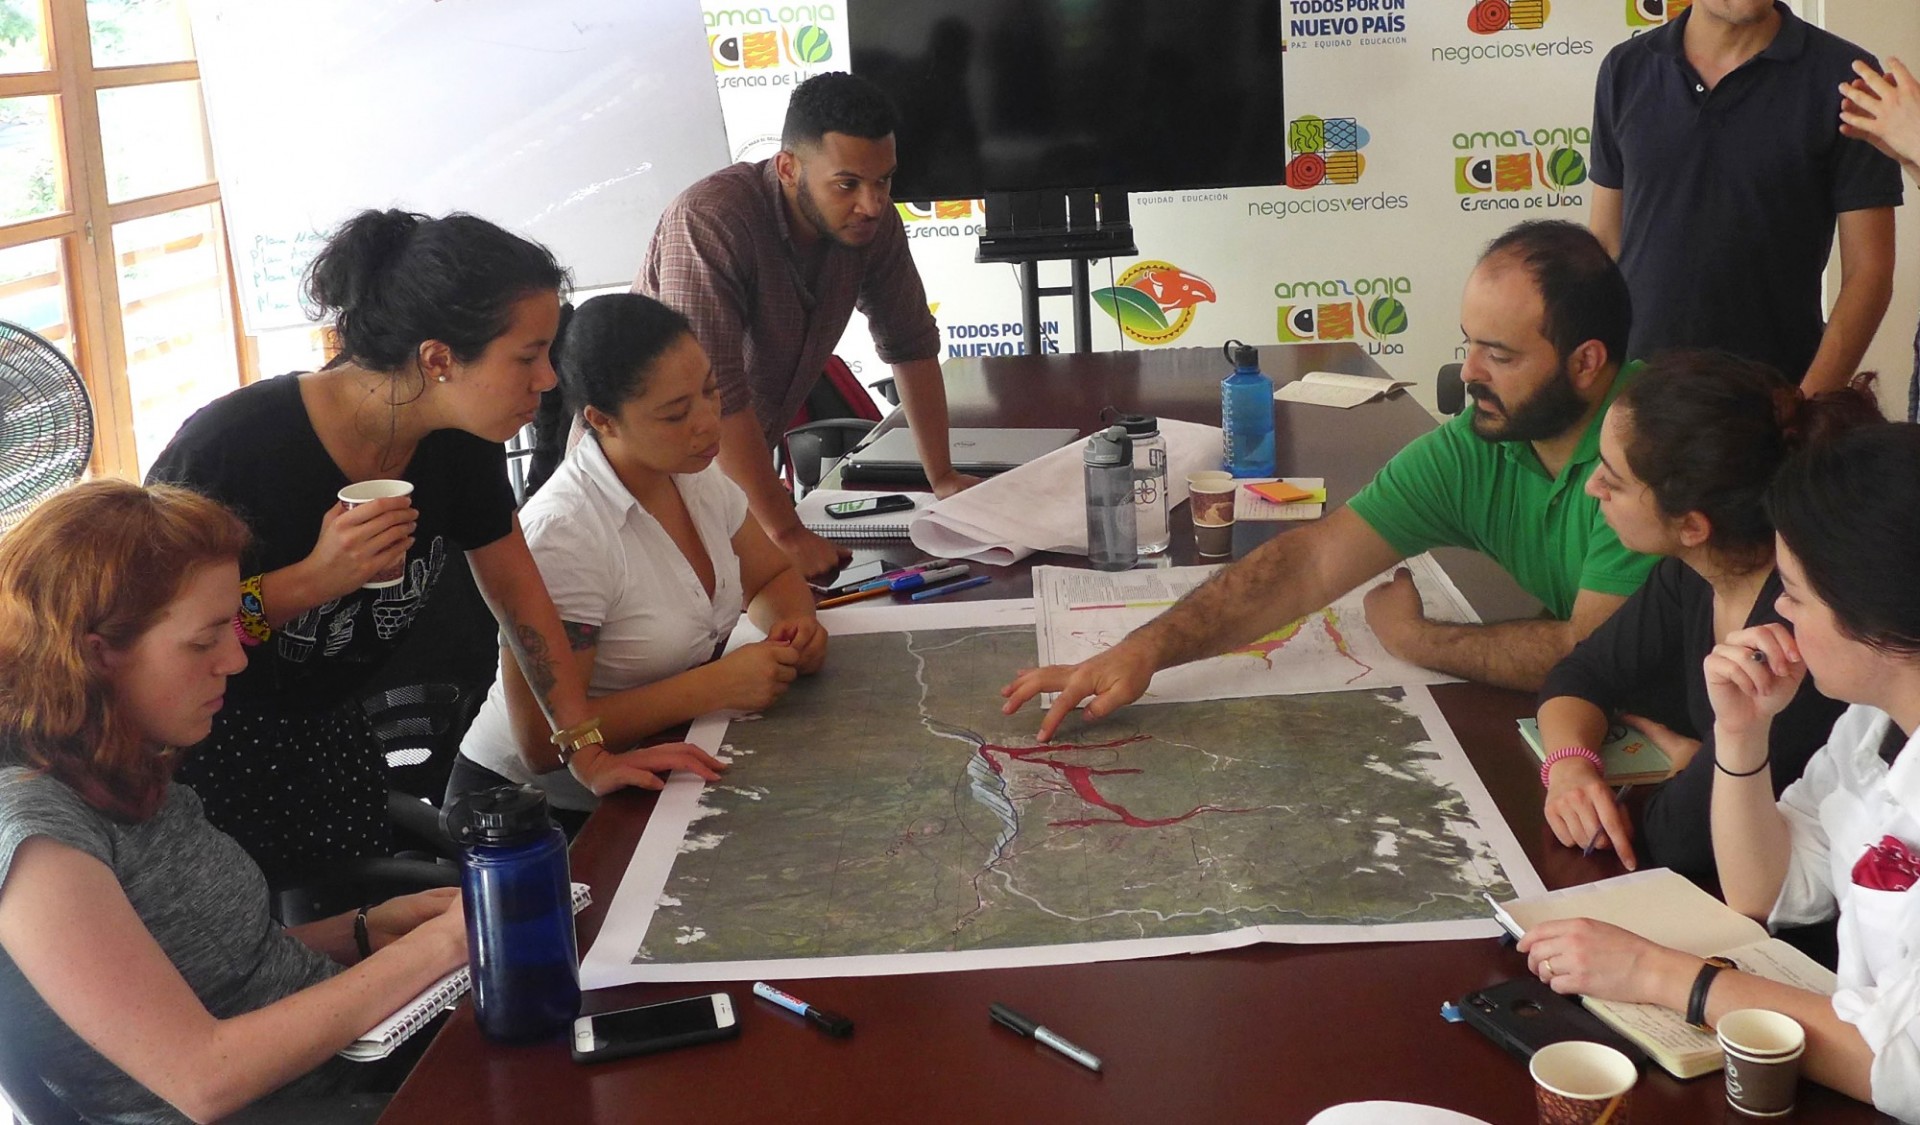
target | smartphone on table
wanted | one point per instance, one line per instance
(871, 505)
(654, 1027)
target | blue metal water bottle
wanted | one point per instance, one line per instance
(1246, 414)
(518, 899)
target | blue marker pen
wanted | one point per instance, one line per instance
(928, 578)
(835, 1025)
(952, 588)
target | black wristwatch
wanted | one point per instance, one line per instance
(1697, 1000)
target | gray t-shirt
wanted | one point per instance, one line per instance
(203, 901)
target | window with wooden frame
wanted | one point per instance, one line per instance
(111, 236)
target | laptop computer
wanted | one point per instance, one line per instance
(892, 458)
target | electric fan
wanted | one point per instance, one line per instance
(46, 423)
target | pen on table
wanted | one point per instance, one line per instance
(857, 595)
(832, 1023)
(1008, 1018)
(952, 588)
(916, 568)
(928, 578)
(1619, 795)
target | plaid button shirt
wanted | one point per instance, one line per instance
(724, 256)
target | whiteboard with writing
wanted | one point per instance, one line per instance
(572, 122)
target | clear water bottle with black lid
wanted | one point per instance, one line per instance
(1149, 481)
(1111, 535)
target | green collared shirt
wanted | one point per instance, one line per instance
(1453, 488)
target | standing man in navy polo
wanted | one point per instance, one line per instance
(1719, 177)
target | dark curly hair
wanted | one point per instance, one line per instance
(836, 102)
(392, 280)
(1707, 432)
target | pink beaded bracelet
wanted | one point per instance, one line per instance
(1546, 764)
(239, 630)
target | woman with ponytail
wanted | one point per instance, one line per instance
(140, 974)
(1687, 453)
(1842, 842)
(444, 326)
(651, 557)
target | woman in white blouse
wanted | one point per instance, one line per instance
(1842, 838)
(650, 557)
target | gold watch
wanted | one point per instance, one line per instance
(577, 737)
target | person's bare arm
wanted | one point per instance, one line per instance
(1579, 956)
(1604, 219)
(626, 717)
(923, 395)
(1579, 806)
(1511, 654)
(1282, 580)
(1866, 286)
(65, 922)
(745, 459)
(510, 583)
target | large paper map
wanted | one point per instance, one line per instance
(885, 817)
(1084, 612)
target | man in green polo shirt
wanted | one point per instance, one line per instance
(1546, 315)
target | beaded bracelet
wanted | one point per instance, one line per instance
(252, 618)
(1546, 764)
(240, 631)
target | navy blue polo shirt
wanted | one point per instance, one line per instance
(1729, 196)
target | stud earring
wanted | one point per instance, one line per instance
(443, 378)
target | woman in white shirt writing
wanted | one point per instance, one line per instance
(1841, 840)
(650, 557)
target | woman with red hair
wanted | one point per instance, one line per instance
(139, 970)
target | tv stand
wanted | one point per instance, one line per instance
(1077, 226)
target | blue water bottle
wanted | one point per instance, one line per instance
(518, 899)
(1246, 414)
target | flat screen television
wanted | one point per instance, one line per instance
(1029, 95)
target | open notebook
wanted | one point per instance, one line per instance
(1663, 907)
(380, 1040)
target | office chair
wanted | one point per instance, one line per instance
(1449, 390)
(420, 706)
(838, 413)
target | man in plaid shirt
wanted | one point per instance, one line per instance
(769, 260)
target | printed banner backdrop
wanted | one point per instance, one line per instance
(1419, 130)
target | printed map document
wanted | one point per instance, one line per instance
(1081, 613)
(885, 817)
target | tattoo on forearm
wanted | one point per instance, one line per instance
(580, 637)
(536, 664)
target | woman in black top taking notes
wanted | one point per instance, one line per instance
(1687, 453)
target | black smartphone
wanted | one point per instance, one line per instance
(1524, 1015)
(655, 1027)
(872, 505)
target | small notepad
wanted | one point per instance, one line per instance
(812, 510)
(380, 1040)
(1329, 388)
(1250, 505)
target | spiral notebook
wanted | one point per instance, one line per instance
(383, 1037)
(812, 510)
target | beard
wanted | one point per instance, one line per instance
(810, 210)
(1546, 414)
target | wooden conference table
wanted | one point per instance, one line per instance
(1268, 1033)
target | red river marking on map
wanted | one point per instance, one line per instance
(1082, 779)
